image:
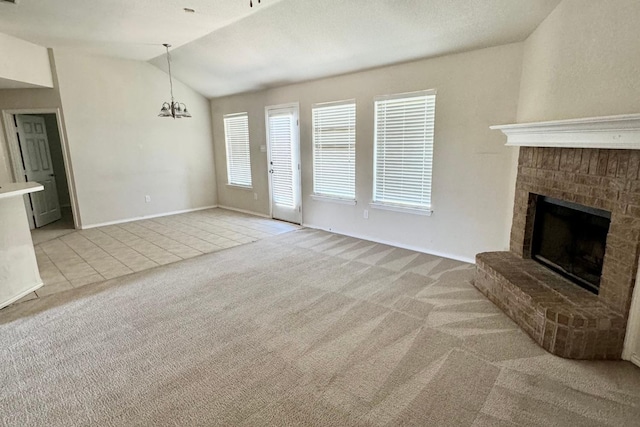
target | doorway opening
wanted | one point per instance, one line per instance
(283, 141)
(39, 154)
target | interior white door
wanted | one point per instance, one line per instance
(283, 140)
(36, 161)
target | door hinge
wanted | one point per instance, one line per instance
(300, 209)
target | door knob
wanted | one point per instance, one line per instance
(270, 170)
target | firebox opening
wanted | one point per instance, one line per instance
(571, 240)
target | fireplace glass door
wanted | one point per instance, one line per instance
(571, 239)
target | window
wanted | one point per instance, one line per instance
(334, 150)
(403, 153)
(236, 136)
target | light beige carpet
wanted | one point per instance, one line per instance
(303, 329)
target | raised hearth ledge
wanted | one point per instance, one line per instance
(561, 317)
(612, 132)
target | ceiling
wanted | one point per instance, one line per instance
(226, 47)
(132, 29)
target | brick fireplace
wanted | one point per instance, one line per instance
(562, 317)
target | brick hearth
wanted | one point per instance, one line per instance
(539, 303)
(561, 317)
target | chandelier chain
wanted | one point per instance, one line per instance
(170, 77)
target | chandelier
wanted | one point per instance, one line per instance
(174, 109)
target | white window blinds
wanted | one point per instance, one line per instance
(236, 135)
(334, 149)
(403, 155)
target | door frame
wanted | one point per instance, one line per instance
(14, 153)
(296, 106)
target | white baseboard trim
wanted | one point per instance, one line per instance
(635, 359)
(396, 244)
(229, 208)
(21, 294)
(122, 221)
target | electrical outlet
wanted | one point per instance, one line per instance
(255, 196)
(147, 198)
(366, 214)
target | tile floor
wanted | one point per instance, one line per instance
(70, 258)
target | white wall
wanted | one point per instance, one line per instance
(583, 61)
(23, 64)
(11, 99)
(121, 151)
(472, 194)
(6, 176)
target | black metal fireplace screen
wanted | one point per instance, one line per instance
(571, 239)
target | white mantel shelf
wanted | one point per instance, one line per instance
(612, 132)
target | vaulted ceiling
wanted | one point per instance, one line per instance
(226, 47)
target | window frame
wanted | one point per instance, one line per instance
(408, 207)
(230, 180)
(325, 196)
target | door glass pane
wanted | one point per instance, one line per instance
(281, 139)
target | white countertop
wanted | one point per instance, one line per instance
(19, 188)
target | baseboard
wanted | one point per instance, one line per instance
(229, 208)
(635, 359)
(396, 244)
(21, 295)
(123, 221)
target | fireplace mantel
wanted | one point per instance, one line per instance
(612, 132)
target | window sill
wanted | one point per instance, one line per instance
(339, 200)
(399, 208)
(240, 187)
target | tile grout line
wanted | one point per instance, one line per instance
(209, 223)
(127, 245)
(166, 237)
(186, 234)
(84, 259)
(59, 269)
(185, 224)
(143, 239)
(53, 264)
(108, 254)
